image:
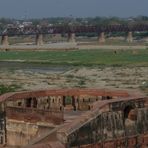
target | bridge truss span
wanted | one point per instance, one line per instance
(31, 30)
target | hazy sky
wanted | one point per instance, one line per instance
(76, 8)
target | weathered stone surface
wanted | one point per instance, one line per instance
(108, 115)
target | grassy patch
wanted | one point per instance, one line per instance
(80, 57)
(6, 89)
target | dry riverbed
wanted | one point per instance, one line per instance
(81, 77)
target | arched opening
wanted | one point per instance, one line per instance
(64, 101)
(130, 117)
(89, 107)
(68, 100)
(106, 97)
(19, 103)
(35, 102)
(109, 97)
(74, 103)
(28, 102)
(127, 110)
(60, 108)
(130, 113)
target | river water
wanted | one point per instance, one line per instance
(34, 67)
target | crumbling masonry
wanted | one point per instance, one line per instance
(67, 118)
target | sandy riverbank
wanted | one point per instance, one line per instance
(107, 77)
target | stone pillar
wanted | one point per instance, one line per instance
(71, 37)
(57, 37)
(39, 39)
(4, 40)
(130, 37)
(102, 37)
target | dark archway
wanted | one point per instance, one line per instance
(28, 102)
(64, 101)
(127, 110)
(130, 118)
(35, 102)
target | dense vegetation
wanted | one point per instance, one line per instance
(5, 89)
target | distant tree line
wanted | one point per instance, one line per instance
(76, 21)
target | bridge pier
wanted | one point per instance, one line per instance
(4, 40)
(130, 37)
(39, 39)
(102, 37)
(71, 37)
(57, 37)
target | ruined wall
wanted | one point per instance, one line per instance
(21, 133)
(84, 101)
(120, 120)
(56, 102)
(31, 118)
(42, 103)
(33, 110)
(109, 126)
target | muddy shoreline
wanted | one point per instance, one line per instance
(36, 67)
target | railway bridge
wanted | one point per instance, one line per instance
(70, 118)
(71, 31)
